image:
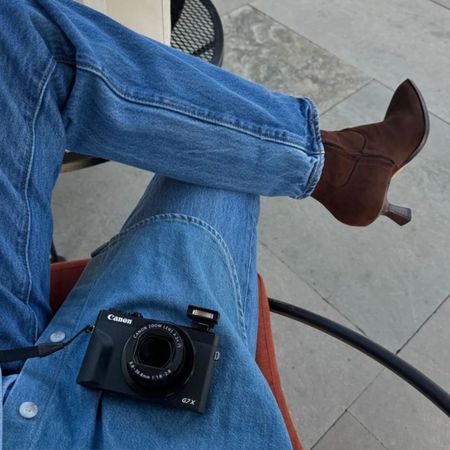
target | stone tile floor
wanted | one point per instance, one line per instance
(388, 282)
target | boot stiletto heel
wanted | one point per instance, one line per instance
(401, 215)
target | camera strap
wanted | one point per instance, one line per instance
(41, 350)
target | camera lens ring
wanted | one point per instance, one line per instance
(172, 373)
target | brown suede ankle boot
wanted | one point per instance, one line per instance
(361, 161)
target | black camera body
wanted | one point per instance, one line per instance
(153, 360)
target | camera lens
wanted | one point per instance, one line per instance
(154, 351)
(159, 358)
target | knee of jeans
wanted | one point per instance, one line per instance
(205, 248)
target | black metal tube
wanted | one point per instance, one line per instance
(53, 253)
(410, 374)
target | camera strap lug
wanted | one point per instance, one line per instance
(40, 350)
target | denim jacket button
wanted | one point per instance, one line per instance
(28, 410)
(58, 336)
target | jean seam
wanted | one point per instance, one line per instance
(217, 238)
(314, 127)
(43, 83)
(157, 104)
(246, 269)
(250, 243)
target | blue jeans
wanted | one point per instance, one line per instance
(73, 78)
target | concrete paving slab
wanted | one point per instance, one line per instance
(321, 376)
(386, 279)
(262, 50)
(401, 417)
(91, 205)
(347, 433)
(429, 349)
(226, 6)
(387, 40)
(444, 3)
